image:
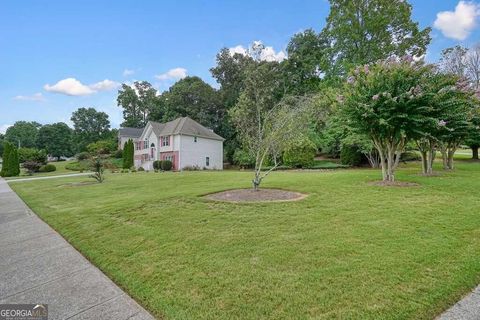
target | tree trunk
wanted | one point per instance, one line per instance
(256, 181)
(425, 161)
(431, 159)
(475, 152)
(450, 159)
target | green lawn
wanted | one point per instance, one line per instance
(348, 251)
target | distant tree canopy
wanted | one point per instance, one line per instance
(90, 126)
(137, 102)
(57, 139)
(23, 133)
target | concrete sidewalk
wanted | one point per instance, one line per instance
(39, 266)
(466, 309)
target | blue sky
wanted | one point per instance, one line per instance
(102, 43)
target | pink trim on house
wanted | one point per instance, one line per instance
(138, 157)
(174, 155)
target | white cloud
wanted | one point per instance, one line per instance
(266, 53)
(104, 85)
(34, 97)
(128, 72)
(4, 127)
(73, 87)
(172, 74)
(458, 24)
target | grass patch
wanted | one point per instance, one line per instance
(62, 168)
(347, 251)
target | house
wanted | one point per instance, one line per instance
(125, 134)
(183, 141)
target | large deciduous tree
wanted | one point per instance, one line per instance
(90, 126)
(23, 133)
(57, 139)
(137, 102)
(364, 31)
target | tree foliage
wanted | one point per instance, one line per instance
(10, 163)
(89, 126)
(360, 32)
(128, 154)
(137, 102)
(56, 139)
(23, 133)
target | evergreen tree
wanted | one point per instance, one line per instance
(128, 151)
(6, 159)
(11, 165)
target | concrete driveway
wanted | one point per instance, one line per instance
(38, 266)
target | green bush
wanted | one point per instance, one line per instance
(141, 169)
(410, 156)
(48, 168)
(82, 156)
(157, 164)
(166, 165)
(243, 159)
(78, 165)
(118, 154)
(351, 156)
(300, 154)
(32, 155)
(102, 147)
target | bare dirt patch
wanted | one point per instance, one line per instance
(400, 184)
(262, 195)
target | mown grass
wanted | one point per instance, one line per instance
(62, 168)
(348, 251)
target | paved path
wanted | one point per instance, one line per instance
(38, 266)
(50, 177)
(466, 309)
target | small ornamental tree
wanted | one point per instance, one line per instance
(128, 151)
(385, 101)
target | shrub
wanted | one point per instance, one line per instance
(351, 156)
(141, 169)
(243, 159)
(410, 156)
(97, 168)
(32, 155)
(82, 156)
(166, 165)
(48, 168)
(77, 166)
(102, 147)
(300, 154)
(32, 166)
(118, 154)
(157, 164)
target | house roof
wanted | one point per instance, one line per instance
(184, 126)
(130, 132)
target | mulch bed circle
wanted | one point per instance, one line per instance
(262, 195)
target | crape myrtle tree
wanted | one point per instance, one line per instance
(385, 102)
(455, 123)
(264, 121)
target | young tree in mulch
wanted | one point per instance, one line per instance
(385, 102)
(97, 166)
(128, 151)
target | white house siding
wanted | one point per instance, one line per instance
(195, 153)
(143, 157)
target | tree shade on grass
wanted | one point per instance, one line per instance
(347, 251)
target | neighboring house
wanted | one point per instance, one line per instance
(125, 134)
(183, 141)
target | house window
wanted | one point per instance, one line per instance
(194, 139)
(145, 144)
(165, 141)
(207, 161)
(137, 145)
